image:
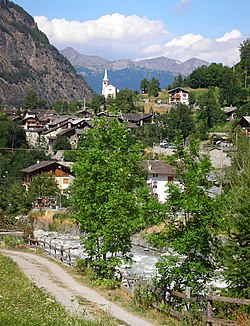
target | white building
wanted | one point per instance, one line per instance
(108, 90)
(178, 95)
(159, 175)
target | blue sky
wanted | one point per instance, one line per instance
(134, 29)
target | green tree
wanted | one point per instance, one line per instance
(43, 185)
(144, 85)
(154, 87)
(124, 102)
(231, 91)
(235, 249)
(33, 102)
(107, 194)
(210, 112)
(190, 228)
(245, 56)
(178, 120)
(60, 107)
(11, 134)
(61, 143)
(97, 103)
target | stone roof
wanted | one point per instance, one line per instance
(157, 166)
(135, 116)
(37, 166)
(43, 164)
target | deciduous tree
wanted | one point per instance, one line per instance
(107, 194)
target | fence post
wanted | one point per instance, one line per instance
(61, 252)
(69, 257)
(188, 295)
(209, 307)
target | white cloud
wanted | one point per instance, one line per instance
(129, 37)
(114, 35)
(234, 34)
(221, 50)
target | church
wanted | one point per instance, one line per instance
(108, 90)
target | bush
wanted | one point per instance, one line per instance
(13, 242)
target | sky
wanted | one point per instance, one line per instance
(211, 30)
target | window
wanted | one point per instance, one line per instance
(155, 175)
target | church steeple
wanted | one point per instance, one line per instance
(105, 81)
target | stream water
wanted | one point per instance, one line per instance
(144, 260)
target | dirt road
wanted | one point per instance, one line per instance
(66, 290)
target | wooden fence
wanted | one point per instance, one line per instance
(65, 256)
(209, 299)
(61, 253)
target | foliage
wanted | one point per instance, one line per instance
(12, 241)
(179, 81)
(245, 55)
(124, 102)
(178, 120)
(43, 185)
(97, 103)
(107, 193)
(33, 102)
(209, 113)
(61, 143)
(149, 134)
(11, 134)
(206, 76)
(235, 251)
(231, 91)
(152, 86)
(191, 225)
(60, 106)
(144, 85)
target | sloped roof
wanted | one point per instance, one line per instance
(157, 166)
(37, 166)
(135, 116)
(178, 89)
(43, 164)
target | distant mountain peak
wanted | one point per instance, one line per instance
(158, 63)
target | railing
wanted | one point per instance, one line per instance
(65, 256)
(61, 253)
(207, 314)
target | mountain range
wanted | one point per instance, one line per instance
(29, 62)
(128, 73)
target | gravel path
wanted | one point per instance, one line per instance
(65, 289)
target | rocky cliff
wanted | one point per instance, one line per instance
(29, 62)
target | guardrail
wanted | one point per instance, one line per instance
(61, 253)
(208, 299)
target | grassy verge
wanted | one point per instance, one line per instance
(23, 304)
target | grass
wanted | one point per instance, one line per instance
(24, 304)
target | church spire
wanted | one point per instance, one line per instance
(105, 81)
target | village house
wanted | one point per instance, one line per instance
(230, 112)
(136, 119)
(60, 170)
(159, 176)
(244, 123)
(178, 95)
